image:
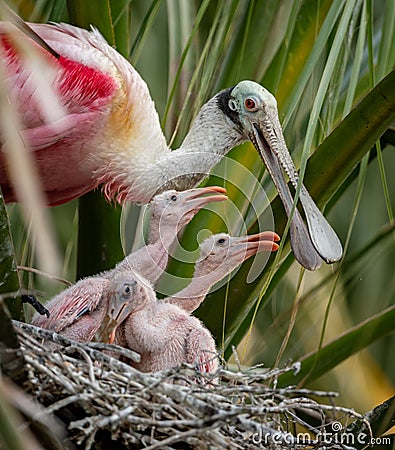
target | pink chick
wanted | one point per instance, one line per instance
(164, 335)
(96, 316)
(76, 307)
(219, 255)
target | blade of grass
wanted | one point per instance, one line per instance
(144, 30)
(356, 67)
(385, 61)
(9, 281)
(12, 362)
(332, 354)
(357, 200)
(13, 434)
(382, 67)
(288, 100)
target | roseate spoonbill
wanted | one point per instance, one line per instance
(76, 307)
(219, 255)
(93, 300)
(164, 335)
(170, 212)
(110, 134)
(163, 332)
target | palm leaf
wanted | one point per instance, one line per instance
(351, 342)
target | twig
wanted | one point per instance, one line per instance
(122, 351)
(151, 410)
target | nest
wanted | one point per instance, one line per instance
(104, 403)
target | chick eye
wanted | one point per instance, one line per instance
(221, 241)
(250, 104)
(127, 290)
(173, 198)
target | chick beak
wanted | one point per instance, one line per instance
(118, 313)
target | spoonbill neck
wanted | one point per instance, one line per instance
(211, 136)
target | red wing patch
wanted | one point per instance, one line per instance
(84, 86)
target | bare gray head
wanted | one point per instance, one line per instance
(252, 110)
(230, 251)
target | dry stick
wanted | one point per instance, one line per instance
(178, 437)
(62, 340)
(108, 396)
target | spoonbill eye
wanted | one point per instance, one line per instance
(127, 290)
(173, 198)
(221, 241)
(250, 104)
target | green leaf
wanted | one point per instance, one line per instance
(9, 281)
(11, 359)
(98, 13)
(99, 244)
(326, 170)
(349, 343)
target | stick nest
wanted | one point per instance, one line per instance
(105, 403)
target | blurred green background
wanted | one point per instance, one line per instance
(319, 59)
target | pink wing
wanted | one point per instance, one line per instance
(80, 88)
(71, 303)
(84, 94)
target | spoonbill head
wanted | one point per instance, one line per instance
(126, 293)
(225, 250)
(219, 255)
(172, 210)
(253, 111)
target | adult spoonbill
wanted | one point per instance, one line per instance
(79, 310)
(110, 133)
